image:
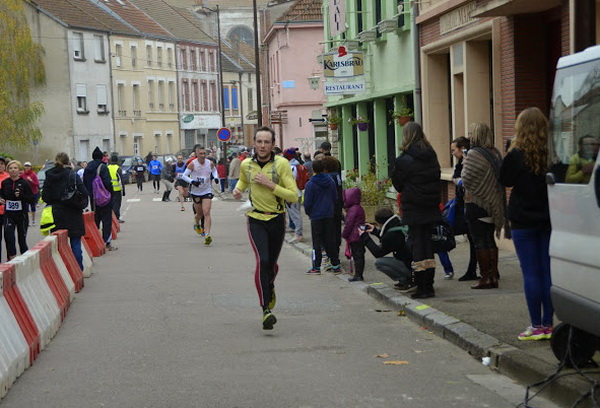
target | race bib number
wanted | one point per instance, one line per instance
(155, 167)
(13, 205)
(201, 180)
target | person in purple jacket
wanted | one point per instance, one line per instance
(355, 220)
(320, 196)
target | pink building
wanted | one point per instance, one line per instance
(295, 104)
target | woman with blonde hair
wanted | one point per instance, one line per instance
(15, 194)
(417, 176)
(66, 216)
(484, 201)
(524, 170)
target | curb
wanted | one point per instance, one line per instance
(504, 358)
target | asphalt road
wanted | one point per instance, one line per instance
(167, 322)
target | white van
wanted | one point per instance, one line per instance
(574, 196)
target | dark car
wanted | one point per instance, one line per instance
(128, 164)
(42, 172)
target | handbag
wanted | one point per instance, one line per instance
(71, 196)
(102, 196)
(442, 237)
(454, 212)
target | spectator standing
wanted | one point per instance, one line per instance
(102, 214)
(294, 209)
(65, 217)
(148, 158)
(155, 167)
(392, 239)
(81, 170)
(117, 183)
(222, 173)
(333, 167)
(319, 204)
(355, 221)
(34, 183)
(15, 194)
(167, 175)
(308, 163)
(234, 171)
(484, 202)
(524, 169)
(270, 183)
(416, 176)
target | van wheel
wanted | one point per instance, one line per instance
(582, 346)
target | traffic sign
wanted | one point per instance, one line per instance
(224, 134)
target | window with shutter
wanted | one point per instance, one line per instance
(102, 99)
(81, 93)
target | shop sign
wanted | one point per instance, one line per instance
(457, 18)
(337, 17)
(348, 87)
(343, 64)
(190, 121)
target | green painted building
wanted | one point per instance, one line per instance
(381, 30)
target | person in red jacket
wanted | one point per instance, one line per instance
(34, 183)
(3, 175)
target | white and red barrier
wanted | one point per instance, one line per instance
(67, 256)
(88, 259)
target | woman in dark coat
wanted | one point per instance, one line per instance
(417, 176)
(65, 217)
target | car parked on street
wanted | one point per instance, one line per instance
(128, 164)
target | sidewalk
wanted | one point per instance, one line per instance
(482, 322)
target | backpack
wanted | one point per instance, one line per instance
(301, 176)
(101, 195)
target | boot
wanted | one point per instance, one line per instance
(424, 280)
(488, 280)
(168, 194)
(164, 197)
(471, 273)
(359, 268)
(494, 263)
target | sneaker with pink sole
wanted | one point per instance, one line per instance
(548, 330)
(533, 333)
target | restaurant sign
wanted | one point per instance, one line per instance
(343, 64)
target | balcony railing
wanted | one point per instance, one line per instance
(137, 113)
(122, 113)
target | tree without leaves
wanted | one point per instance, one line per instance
(21, 67)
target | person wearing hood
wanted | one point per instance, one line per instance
(294, 209)
(416, 175)
(65, 217)
(319, 202)
(355, 220)
(392, 239)
(101, 214)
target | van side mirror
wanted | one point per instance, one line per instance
(597, 185)
(550, 179)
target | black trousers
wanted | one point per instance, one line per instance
(482, 232)
(15, 222)
(324, 237)
(104, 215)
(117, 198)
(266, 238)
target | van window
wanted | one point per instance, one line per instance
(575, 122)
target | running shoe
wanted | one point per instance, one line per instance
(449, 275)
(273, 299)
(199, 230)
(207, 240)
(269, 320)
(548, 331)
(533, 333)
(313, 271)
(337, 269)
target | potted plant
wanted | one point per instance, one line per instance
(334, 120)
(360, 122)
(403, 115)
(373, 191)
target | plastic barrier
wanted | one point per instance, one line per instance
(52, 275)
(92, 235)
(37, 295)
(88, 260)
(18, 307)
(14, 350)
(116, 222)
(114, 227)
(60, 265)
(66, 254)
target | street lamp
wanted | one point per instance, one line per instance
(313, 81)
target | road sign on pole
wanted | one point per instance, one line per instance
(224, 134)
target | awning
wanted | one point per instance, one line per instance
(497, 8)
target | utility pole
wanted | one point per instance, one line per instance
(257, 65)
(223, 144)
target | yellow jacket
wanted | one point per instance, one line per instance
(263, 198)
(115, 177)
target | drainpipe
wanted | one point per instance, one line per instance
(417, 64)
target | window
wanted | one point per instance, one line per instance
(161, 95)
(202, 60)
(184, 62)
(169, 57)
(359, 16)
(121, 99)
(225, 98)
(78, 53)
(81, 91)
(159, 55)
(234, 98)
(136, 100)
(213, 97)
(185, 89)
(250, 100)
(150, 94)
(171, 95)
(133, 57)
(204, 87)
(137, 141)
(210, 61)
(102, 99)
(196, 96)
(194, 63)
(118, 55)
(149, 55)
(99, 48)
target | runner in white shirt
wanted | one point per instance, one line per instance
(198, 174)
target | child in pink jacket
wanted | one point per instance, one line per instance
(355, 219)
